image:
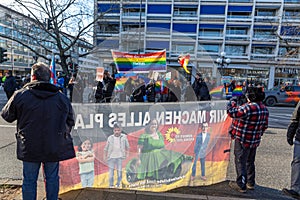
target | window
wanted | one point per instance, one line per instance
(235, 50)
(236, 31)
(291, 52)
(133, 11)
(265, 12)
(210, 32)
(210, 48)
(263, 50)
(290, 31)
(264, 34)
(243, 15)
(132, 27)
(291, 14)
(183, 48)
(185, 12)
(109, 28)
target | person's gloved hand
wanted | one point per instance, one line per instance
(290, 140)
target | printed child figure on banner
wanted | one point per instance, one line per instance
(115, 151)
(86, 158)
(200, 147)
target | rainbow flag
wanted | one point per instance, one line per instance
(120, 83)
(238, 91)
(160, 87)
(217, 92)
(140, 63)
(184, 61)
(53, 71)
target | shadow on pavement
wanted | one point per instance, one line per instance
(223, 190)
(220, 190)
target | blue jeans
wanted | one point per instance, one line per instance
(295, 173)
(30, 176)
(202, 162)
(87, 179)
(112, 162)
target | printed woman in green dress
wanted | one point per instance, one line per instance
(154, 161)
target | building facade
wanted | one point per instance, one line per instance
(261, 37)
(20, 58)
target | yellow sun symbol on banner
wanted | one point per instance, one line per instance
(171, 133)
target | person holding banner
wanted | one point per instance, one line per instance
(200, 147)
(45, 118)
(115, 151)
(249, 122)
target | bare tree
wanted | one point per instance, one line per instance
(56, 24)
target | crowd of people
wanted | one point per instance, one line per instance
(137, 90)
(71, 85)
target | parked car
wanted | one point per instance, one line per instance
(287, 95)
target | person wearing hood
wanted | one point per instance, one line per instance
(45, 118)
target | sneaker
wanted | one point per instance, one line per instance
(203, 178)
(250, 186)
(291, 193)
(235, 186)
(192, 178)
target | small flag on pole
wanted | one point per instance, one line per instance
(184, 61)
(53, 71)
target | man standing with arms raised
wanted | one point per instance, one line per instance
(44, 120)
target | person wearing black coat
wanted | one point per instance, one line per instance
(200, 88)
(45, 118)
(99, 96)
(139, 90)
(204, 92)
(150, 91)
(197, 85)
(10, 85)
(109, 83)
(174, 91)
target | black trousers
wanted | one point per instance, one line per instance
(244, 159)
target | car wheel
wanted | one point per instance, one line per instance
(270, 101)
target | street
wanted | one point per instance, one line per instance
(279, 117)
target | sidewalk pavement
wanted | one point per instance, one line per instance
(186, 193)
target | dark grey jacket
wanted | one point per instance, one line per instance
(294, 128)
(44, 121)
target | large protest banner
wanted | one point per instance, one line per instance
(179, 124)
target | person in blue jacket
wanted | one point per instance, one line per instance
(200, 147)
